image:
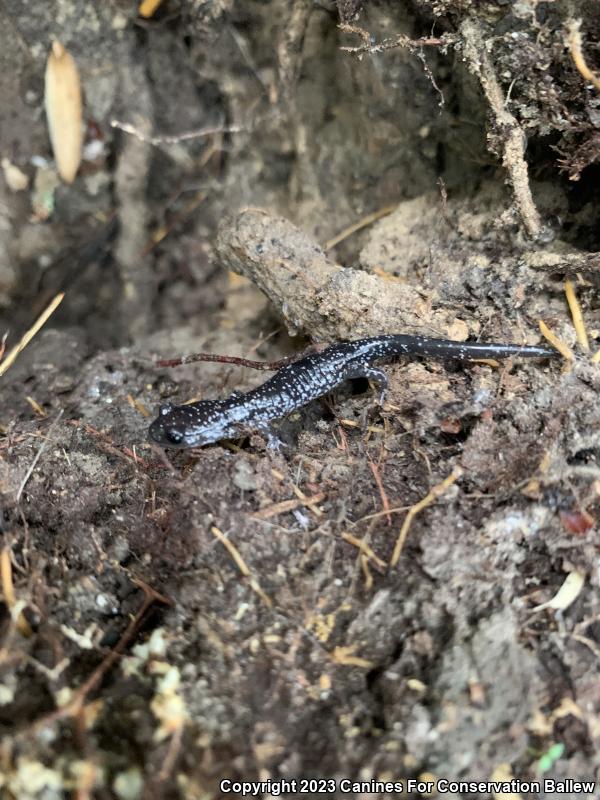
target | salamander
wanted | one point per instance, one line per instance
(296, 384)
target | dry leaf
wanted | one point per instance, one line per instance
(63, 110)
(147, 8)
(567, 593)
(577, 521)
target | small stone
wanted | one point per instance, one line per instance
(244, 477)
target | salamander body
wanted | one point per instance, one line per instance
(296, 384)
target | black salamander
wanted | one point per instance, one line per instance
(296, 384)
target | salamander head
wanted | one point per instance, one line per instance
(194, 425)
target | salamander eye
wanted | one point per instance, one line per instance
(166, 408)
(173, 435)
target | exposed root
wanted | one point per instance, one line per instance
(570, 261)
(436, 492)
(314, 294)
(415, 46)
(576, 50)
(508, 131)
(401, 40)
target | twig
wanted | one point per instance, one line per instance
(430, 498)
(357, 226)
(384, 498)
(28, 336)
(309, 502)
(364, 548)
(577, 316)
(105, 444)
(137, 406)
(575, 48)
(289, 48)
(37, 456)
(74, 707)
(172, 753)
(590, 643)
(377, 514)
(352, 423)
(240, 564)
(8, 588)
(175, 139)
(36, 406)
(285, 506)
(8, 592)
(562, 348)
(364, 565)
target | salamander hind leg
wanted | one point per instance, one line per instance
(373, 374)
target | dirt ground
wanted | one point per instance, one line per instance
(171, 619)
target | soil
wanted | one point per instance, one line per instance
(173, 619)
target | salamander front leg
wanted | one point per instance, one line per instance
(273, 441)
(373, 374)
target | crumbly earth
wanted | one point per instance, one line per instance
(173, 619)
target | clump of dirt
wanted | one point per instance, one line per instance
(173, 619)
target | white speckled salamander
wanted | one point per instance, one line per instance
(296, 384)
